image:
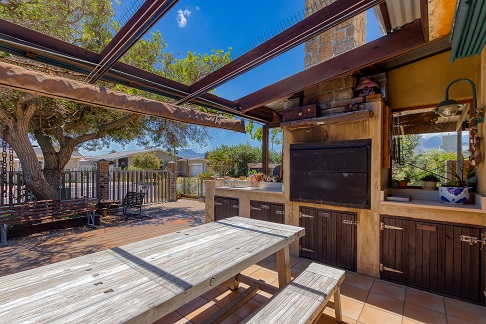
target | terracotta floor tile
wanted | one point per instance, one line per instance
(351, 308)
(213, 293)
(183, 321)
(385, 303)
(265, 275)
(425, 299)
(191, 306)
(358, 281)
(248, 271)
(355, 293)
(417, 314)
(169, 318)
(232, 319)
(455, 320)
(227, 296)
(262, 297)
(372, 315)
(202, 313)
(389, 289)
(466, 311)
(328, 317)
(248, 308)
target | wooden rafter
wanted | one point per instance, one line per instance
(311, 26)
(393, 44)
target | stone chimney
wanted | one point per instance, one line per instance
(337, 93)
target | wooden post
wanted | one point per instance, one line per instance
(283, 267)
(264, 149)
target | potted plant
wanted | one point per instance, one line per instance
(430, 181)
(403, 183)
(455, 191)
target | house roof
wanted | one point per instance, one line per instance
(124, 154)
(38, 153)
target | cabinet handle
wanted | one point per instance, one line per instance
(430, 228)
(279, 212)
(235, 206)
(255, 208)
(217, 204)
(265, 206)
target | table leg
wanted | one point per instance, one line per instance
(337, 305)
(233, 283)
(283, 267)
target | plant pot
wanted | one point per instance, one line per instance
(454, 195)
(430, 185)
(402, 184)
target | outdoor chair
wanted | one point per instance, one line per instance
(132, 204)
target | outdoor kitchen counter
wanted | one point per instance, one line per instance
(434, 210)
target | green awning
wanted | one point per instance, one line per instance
(468, 35)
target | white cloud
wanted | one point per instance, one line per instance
(182, 16)
(198, 8)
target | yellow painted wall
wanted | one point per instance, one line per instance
(424, 82)
(481, 168)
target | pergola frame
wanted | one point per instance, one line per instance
(105, 66)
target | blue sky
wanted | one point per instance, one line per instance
(201, 26)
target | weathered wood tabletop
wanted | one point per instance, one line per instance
(143, 281)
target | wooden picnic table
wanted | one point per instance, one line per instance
(143, 281)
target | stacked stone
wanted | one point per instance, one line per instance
(334, 95)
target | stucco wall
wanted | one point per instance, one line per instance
(424, 82)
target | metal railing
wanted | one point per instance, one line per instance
(155, 184)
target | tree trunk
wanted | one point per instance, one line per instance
(31, 168)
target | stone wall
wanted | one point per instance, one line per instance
(333, 96)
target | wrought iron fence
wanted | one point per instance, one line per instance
(191, 187)
(155, 184)
(13, 190)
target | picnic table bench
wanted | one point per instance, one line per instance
(43, 210)
(146, 280)
(303, 299)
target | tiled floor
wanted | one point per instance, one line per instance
(364, 299)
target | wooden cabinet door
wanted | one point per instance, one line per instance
(225, 207)
(432, 256)
(266, 211)
(330, 237)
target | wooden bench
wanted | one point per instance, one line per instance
(36, 212)
(133, 201)
(303, 300)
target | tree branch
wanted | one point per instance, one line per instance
(103, 129)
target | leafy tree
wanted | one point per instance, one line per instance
(146, 161)
(60, 126)
(233, 160)
(256, 133)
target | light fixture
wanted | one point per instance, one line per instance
(450, 107)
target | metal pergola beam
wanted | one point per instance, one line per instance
(386, 17)
(393, 44)
(311, 26)
(24, 42)
(145, 17)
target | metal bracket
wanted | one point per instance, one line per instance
(265, 206)
(383, 227)
(304, 249)
(254, 208)
(218, 204)
(473, 240)
(235, 206)
(383, 268)
(349, 222)
(279, 212)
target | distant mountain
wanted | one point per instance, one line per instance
(190, 154)
(432, 142)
